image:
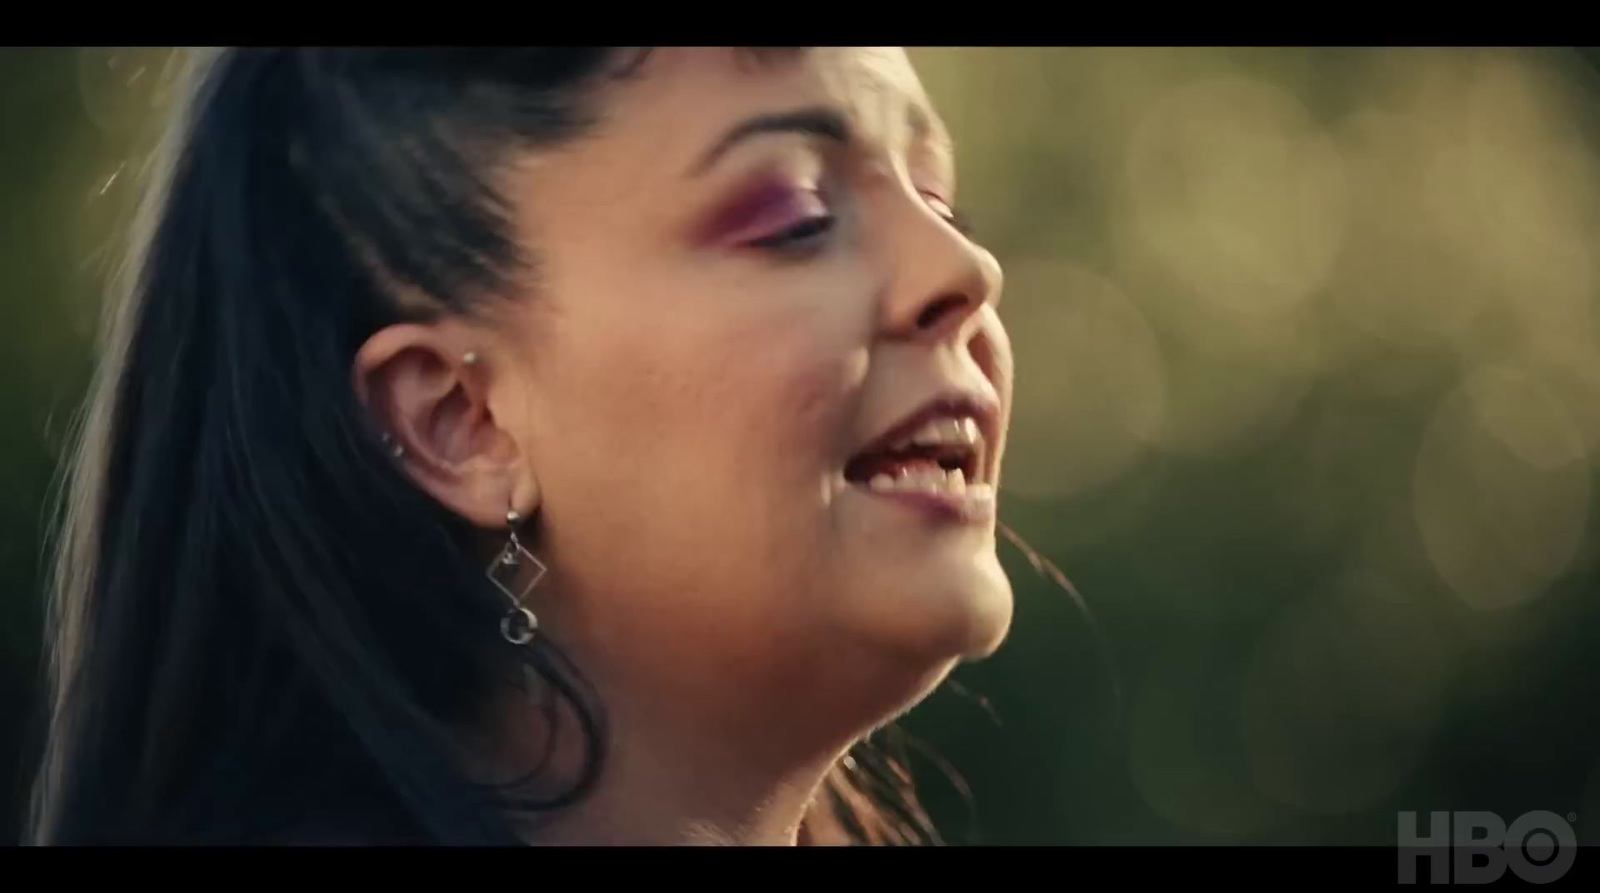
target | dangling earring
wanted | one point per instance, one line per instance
(519, 624)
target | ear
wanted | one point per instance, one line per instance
(427, 386)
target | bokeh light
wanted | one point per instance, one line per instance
(1502, 488)
(1237, 194)
(1174, 759)
(1343, 694)
(1090, 395)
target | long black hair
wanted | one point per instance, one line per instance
(257, 624)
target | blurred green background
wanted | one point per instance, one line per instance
(1308, 411)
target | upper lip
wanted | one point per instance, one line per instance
(951, 404)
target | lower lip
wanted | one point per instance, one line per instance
(940, 505)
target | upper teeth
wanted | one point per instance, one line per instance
(942, 431)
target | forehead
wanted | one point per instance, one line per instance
(685, 98)
(880, 91)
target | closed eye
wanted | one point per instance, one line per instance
(801, 236)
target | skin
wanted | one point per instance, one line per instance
(673, 405)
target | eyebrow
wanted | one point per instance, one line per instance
(926, 128)
(823, 121)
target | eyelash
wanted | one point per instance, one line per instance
(799, 238)
(957, 219)
(960, 222)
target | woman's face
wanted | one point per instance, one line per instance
(747, 286)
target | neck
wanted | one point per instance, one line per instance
(660, 785)
(642, 799)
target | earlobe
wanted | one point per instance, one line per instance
(525, 495)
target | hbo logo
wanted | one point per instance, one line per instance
(1477, 847)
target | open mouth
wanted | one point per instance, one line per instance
(943, 454)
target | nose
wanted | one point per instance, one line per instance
(941, 278)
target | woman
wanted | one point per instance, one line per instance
(535, 445)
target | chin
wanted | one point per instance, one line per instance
(939, 615)
(987, 610)
(895, 637)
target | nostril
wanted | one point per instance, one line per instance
(938, 310)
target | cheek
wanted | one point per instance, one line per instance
(803, 385)
(699, 425)
(993, 352)
(765, 390)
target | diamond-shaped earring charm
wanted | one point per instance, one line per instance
(507, 566)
